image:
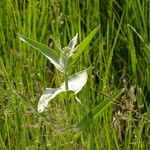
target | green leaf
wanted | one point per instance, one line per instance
(73, 42)
(98, 110)
(46, 51)
(75, 83)
(80, 48)
(48, 95)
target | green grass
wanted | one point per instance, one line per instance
(120, 58)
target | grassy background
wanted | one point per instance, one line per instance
(120, 59)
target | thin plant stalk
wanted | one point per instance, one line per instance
(65, 60)
(66, 81)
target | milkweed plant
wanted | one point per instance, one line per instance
(63, 59)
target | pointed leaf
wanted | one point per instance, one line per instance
(45, 50)
(76, 81)
(98, 110)
(73, 42)
(88, 119)
(48, 95)
(80, 48)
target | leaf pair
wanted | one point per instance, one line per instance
(63, 60)
(75, 83)
(54, 56)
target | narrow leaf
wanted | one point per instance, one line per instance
(98, 110)
(45, 50)
(48, 95)
(73, 42)
(80, 48)
(88, 119)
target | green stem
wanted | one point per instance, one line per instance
(66, 80)
(65, 60)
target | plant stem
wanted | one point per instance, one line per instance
(65, 60)
(66, 80)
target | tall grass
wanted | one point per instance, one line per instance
(120, 59)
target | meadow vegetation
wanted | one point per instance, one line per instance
(115, 114)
